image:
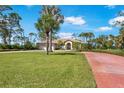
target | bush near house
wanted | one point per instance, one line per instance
(60, 44)
(119, 52)
(28, 45)
(82, 47)
(86, 47)
(77, 46)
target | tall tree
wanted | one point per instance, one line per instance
(14, 22)
(121, 37)
(44, 24)
(87, 35)
(50, 21)
(4, 33)
(9, 23)
(120, 23)
(4, 8)
(82, 35)
(91, 35)
(58, 19)
(31, 34)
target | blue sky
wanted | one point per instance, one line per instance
(84, 18)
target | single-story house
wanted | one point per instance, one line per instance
(67, 44)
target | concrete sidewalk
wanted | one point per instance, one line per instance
(22, 51)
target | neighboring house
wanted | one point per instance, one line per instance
(67, 44)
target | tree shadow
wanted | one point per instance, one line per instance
(64, 53)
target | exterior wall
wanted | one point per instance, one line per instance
(42, 46)
(68, 45)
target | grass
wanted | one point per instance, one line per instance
(119, 52)
(38, 70)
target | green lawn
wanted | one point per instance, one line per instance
(35, 69)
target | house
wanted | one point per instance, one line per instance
(67, 44)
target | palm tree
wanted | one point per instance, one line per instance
(31, 34)
(49, 22)
(111, 37)
(90, 35)
(41, 31)
(102, 40)
(82, 35)
(86, 35)
(57, 17)
(44, 25)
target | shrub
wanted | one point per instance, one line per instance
(119, 52)
(77, 46)
(86, 47)
(15, 46)
(4, 46)
(60, 45)
(28, 45)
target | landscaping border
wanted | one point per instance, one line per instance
(111, 51)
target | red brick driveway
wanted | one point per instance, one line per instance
(108, 69)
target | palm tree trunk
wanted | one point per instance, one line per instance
(50, 46)
(47, 43)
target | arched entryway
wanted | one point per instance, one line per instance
(68, 46)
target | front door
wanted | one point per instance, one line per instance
(68, 46)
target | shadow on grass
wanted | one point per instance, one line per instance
(65, 53)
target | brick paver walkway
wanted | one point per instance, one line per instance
(108, 69)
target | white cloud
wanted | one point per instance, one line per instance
(105, 28)
(119, 19)
(65, 35)
(75, 20)
(110, 6)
